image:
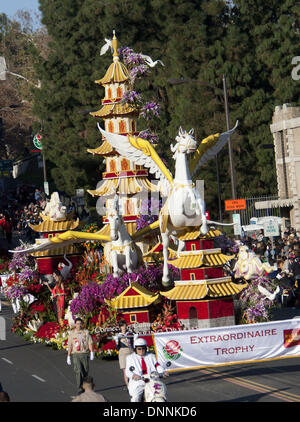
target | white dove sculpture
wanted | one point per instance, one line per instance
(150, 62)
(267, 293)
(106, 46)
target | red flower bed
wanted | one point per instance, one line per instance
(109, 345)
(35, 288)
(37, 306)
(12, 280)
(48, 330)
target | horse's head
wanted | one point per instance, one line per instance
(185, 143)
(115, 220)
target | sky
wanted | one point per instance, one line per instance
(10, 7)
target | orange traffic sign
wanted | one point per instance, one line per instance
(235, 204)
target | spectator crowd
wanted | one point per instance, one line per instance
(20, 208)
(283, 254)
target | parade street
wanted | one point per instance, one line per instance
(36, 373)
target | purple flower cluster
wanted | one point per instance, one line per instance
(134, 61)
(93, 295)
(87, 300)
(138, 71)
(20, 260)
(257, 312)
(148, 213)
(15, 292)
(130, 58)
(255, 306)
(150, 109)
(131, 97)
(26, 274)
(149, 136)
(144, 221)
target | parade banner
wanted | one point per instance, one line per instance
(192, 349)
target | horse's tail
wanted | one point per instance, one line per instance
(220, 224)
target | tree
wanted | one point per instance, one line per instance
(260, 41)
(18, 40)
(68, 75)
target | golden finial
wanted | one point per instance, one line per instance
(115, 46)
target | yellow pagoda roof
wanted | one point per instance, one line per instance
(152, 255)
(189, 234)
(193, 290)
(130, 227)
(224, 288)
(54, 226)
(135, 296)
(188, 291)
(68, 250)
(194, 233)
(114, 109)
(104, 149)
(123, 186)
(195, 259)
(117, 72)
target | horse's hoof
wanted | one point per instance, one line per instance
(166, 282)
(204, 229)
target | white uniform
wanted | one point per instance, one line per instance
(136, 388)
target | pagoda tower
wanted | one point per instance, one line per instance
(122, 176)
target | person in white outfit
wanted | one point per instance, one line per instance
(139, 364)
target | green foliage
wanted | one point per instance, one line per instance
(251, 42)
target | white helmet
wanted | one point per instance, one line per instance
(140, 342)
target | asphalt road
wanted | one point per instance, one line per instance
(36, 373)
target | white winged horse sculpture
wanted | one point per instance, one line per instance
(125, 255)
(184, 206)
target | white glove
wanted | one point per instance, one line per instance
(69, 360)
(92, 356)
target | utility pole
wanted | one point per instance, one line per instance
(233, 188)
(219, 189)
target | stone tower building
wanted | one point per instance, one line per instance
(285, 128)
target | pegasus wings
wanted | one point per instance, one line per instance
(61, 240)
(141, 152)
(209, 148)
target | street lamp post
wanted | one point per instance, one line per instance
(232, 175)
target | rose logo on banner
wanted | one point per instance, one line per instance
(172, 350)
(291, 338)
(37, 141)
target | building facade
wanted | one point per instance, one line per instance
(285, 129)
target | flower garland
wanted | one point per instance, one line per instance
(255, 307)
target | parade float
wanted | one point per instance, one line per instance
(167, 275)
